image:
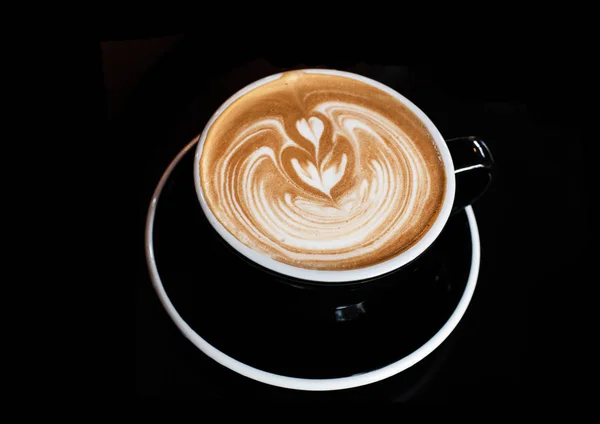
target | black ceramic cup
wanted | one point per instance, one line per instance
(467, 161)
(302, 328)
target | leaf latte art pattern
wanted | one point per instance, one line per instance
(321, 182)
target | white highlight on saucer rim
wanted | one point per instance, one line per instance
(294, 382)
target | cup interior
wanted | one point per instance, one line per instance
(334, 276)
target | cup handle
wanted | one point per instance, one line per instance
(474, 168)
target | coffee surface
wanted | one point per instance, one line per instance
(322, 172)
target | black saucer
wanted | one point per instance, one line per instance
(298, 337)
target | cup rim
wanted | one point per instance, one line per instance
(334, 276)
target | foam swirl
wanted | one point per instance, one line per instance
(333, 184)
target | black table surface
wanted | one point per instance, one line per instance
(534, 221)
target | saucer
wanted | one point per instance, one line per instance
(293, 337)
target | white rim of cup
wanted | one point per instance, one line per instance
(336, 276)
(304, 383)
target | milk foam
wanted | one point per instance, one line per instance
(333, 185)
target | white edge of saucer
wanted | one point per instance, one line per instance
(294, 382)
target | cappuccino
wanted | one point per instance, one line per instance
(322, 172)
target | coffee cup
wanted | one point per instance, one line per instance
(325, 177)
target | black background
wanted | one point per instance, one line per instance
(535, 221)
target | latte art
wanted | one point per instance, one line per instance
(322, 172)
